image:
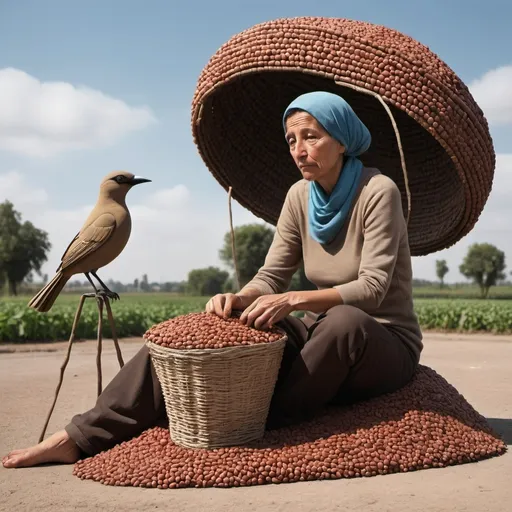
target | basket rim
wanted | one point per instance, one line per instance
(224, 350)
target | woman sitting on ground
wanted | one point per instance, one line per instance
(360, 337)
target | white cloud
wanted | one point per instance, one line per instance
(493, 226)
(171, 197)
(493, 93)
(41, 119)
(170, 238)
(14, 187)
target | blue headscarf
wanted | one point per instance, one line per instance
(327, 213)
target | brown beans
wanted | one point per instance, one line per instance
(426, 424)
(207, 331)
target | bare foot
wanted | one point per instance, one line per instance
(57, 448)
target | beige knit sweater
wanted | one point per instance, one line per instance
(369, 262)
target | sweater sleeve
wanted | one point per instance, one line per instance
(285, 253)
(383, 225)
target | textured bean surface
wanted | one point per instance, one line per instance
(426, 424)
(207, 331)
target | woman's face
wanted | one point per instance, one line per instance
(317, 155)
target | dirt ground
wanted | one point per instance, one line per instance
(479, 366)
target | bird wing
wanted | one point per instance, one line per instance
(92, 238)
(67, 249)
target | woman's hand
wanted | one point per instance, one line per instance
(223, 304)
(267, 310)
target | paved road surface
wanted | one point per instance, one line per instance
(479, 366)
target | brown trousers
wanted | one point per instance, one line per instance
(341, 357)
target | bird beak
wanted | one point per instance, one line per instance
(138, 179)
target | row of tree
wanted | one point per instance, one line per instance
(24, 249)
(484, 264)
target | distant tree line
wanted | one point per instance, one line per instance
(24, 249)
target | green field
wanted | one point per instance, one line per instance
(494, 316)
(135, 313)
(462, 292)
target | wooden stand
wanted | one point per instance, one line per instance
(102, 300)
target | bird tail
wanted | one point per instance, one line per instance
(45, 298)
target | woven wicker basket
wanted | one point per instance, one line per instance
(428, 133)
(217, 397)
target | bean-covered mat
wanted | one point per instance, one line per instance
(426, 424)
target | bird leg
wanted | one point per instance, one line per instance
(109, 293)
(105, 292)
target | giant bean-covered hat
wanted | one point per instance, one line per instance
(428, 133)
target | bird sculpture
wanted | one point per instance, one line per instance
(102, 238)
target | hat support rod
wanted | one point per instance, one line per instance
(233, 239)
(398, 139)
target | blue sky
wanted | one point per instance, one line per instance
(149, 54)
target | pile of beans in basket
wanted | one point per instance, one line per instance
(206, 331)
(426, 424)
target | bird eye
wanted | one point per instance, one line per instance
(120, 178)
